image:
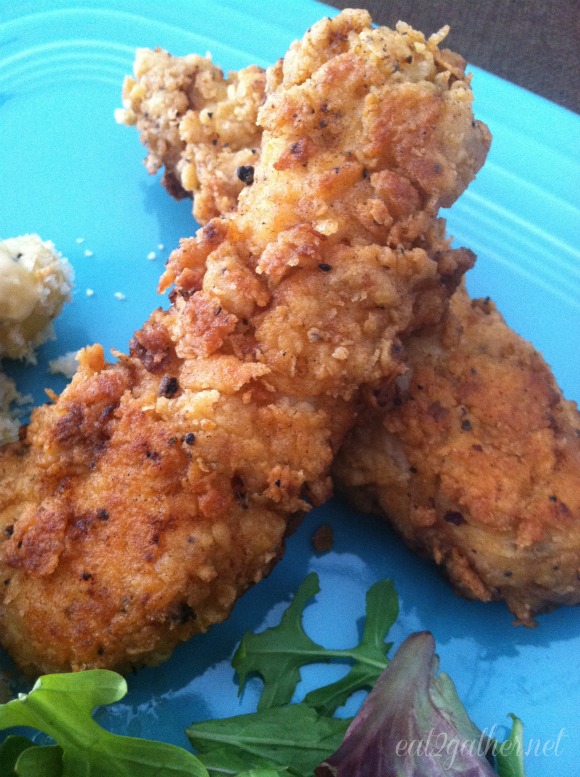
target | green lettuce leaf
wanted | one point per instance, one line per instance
(278, 653)
(62, 705)
(10, 751)
(45, 761)
(509, 755)
(291, 739)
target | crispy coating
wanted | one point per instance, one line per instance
(474, 457)
(201, 127)
(196, 123)
(155, 490)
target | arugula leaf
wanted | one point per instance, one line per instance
(278, 653)
(10, 751)
(45, 761)
(62, 705)
(291, 739)
(382, 609)
(266, 772)
(509, 755)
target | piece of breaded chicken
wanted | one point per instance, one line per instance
(474, 458)
(487, 578)
(197, 124)
(154, 491)
(201, 126)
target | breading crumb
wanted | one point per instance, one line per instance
(340, 353)
(323, 539)
(64, 365)
(8, 422)
(120, 295)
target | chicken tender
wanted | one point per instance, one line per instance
(155, 490)
(201, 126)
(473, 456)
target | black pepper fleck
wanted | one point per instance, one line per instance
(189, 438)
(184, 613)
(168, 387)
(246, 174)
(466, 425)
(324, 267)
(454, 517)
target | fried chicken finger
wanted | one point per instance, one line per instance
(474, 457)
(155, 490)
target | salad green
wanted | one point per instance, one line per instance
(278, 653)
(282, 738)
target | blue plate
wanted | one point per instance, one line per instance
(68, 172)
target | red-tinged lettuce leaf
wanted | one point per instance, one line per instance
(412, 724)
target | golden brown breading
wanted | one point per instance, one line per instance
(474, 457)
(155, 490)
(202, 127)
(196, 123)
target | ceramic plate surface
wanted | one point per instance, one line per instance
(68, 172)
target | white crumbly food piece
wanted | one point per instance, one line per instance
(9, 397)
(13, 404)
(64, 365)
(35, 282)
